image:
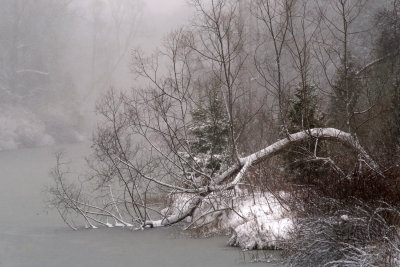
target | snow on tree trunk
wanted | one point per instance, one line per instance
(259, 156)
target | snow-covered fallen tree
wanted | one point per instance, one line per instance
(196, 195)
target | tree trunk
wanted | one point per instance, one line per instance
(261, 155)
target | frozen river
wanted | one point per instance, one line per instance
(32, 236)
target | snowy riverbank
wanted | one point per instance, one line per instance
(254, 220)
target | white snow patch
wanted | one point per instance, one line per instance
(264, 223)
(179, 203)
(255, 221)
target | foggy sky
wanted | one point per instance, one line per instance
(158, 18)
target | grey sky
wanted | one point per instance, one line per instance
(159, 17)
(165, 7)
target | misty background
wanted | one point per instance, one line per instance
(58, 56)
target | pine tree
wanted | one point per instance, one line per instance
(388, 72)
(346, 92)
(302, 116)
(210, 132)
(383, 82)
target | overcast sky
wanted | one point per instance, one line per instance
(165, 8)
(159, 17)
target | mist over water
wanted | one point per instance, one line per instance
(57, 57)
(33, 235)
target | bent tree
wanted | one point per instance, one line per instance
(147, 145)
(137, 207)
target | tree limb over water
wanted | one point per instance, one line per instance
(69, 199)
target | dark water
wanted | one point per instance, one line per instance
(30, 235)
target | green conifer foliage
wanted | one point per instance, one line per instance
(302, 116)
(346, 93)
(210, 131)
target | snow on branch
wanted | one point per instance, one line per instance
(259, 156)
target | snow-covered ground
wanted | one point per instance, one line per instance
(264, 222)
(254, 220)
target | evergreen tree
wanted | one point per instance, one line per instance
(346, 92)
(302, 116)
(383, 83)
(388, 73)
(210, 131)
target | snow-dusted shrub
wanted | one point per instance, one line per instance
(355, 234)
